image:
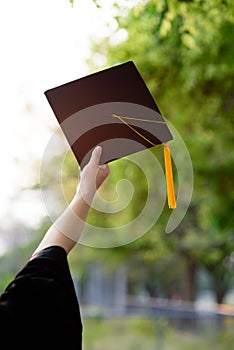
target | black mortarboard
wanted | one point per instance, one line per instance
(112, 108)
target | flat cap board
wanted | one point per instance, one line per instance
(112, 108)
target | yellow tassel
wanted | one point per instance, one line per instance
(169, 178)
(167, 159)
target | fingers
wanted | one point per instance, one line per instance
(93, 174)
(102, 174)
(102, 170)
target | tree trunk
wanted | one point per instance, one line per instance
(190, 279)
(220, 284)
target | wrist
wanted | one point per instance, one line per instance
(84, 195)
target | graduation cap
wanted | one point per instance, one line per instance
(112, 108)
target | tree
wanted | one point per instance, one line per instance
(184, 50)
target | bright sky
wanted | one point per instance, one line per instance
(43, 44)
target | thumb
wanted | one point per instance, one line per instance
(96, 155)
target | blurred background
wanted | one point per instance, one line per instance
(162, 291)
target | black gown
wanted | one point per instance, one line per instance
(39, 308)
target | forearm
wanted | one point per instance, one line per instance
(67, 229)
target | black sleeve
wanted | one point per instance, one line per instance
(41, 302)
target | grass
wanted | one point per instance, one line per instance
(143, 334)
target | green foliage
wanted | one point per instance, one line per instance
(185, 50)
